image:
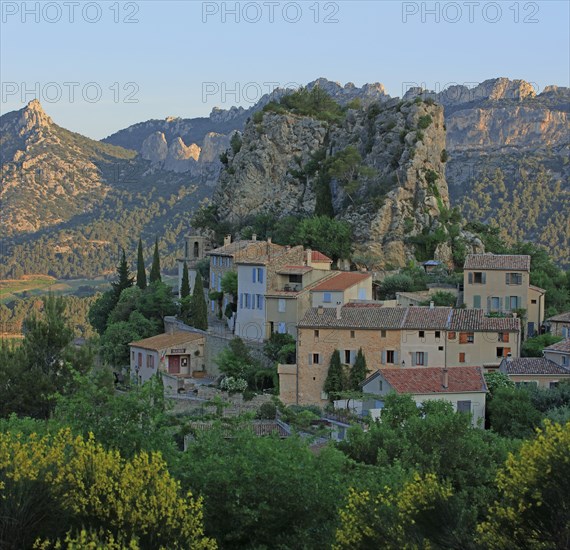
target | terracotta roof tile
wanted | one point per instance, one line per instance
(497, 261)
(230, 249)
(317, 256)
(423, 380)
(563, 346)
(342, 281)
(162, 341)
(532, 365)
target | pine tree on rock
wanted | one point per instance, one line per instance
(335, 381)
(141, 273)
(358, 371)
(155, 269)
(199, 316)
(125, 278)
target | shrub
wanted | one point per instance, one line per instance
(424, 122)
(267, 411)
(444, 155)
(257, 117)
(233, 385)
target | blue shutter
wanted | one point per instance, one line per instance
(253, 274)
(477, 302)
(426, 359)
(352, 356)
(310, 358)
(484, 278)
(241, 300)
(500, 304)
(413, 359)
(260, 275)
(470, 278)
(396, 358)
(383, 360)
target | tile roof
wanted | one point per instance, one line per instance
(373, 315)
(367, 317)
(342, 280)
(317, 256)
(497, 261)
(260, 253)
(537, 288)
(230, 249)
(562, 347)
(426, 317)
(475, 320)
(532, 365)
(162, 341)
(425, 380)
(259, 428)
(561, 318)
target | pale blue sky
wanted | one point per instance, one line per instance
(177, 50)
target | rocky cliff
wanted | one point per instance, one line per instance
(401, 193)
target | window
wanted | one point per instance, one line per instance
(348, 355)
(495, 303)
(466, 337)
(281, 305)
(451, 335)
(259, 301)
(464, 406)
(316, 333)
(281, 329)
(422, 334)
(390, 357)
(477, 277)
(352, 334)
(477, 302)
(247, 301)
(295, 278)
(438, 333)
(140, 360)
(462, 357)
(260, 275)
(564, 359)
(503, 337)
(314, 358)
(503, 352)
(514, 302)
(553, 385)
(420, 358)
(533, 302)
(150, 361)
(327, 298)
(440, 348)
(254, 274)
(513, 278)
(383, 334)
(132, 355)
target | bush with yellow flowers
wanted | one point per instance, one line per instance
(389, 519)
(57, 485)
(533, 509)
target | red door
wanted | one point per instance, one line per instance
(174, 364)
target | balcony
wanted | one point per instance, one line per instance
(292, 287)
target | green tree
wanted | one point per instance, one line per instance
(335, 381)
(358, 372)
(393, 284)
(496, 381)
(532, 347)
(100, 310)
(329, 236)
(199, 316)
(125, 280)
(512, 414)
(532, 510)
(347, 167)
(155, 268)
(141, 271)
(185, 284)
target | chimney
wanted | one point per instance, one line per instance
(227, 240)
(320, 310)
(338, 308)
(254, 237)
(308, 257)
(431, 305)
(445, 379)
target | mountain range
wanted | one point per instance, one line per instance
(498, 151)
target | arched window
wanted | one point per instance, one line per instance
(196, 249)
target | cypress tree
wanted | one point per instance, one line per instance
(125, 279)
(358, 372)
(155, 269)
(185, 285)
(334, 382)
(199, 316)
(141, 273)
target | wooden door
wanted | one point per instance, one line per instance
(174, 364)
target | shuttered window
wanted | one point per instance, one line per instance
(462, 357)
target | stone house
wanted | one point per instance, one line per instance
(179, 354)
(341, 289)
(559, 353)
(463, 387)
(288, 302)
(392, 337)
(560, 325)
(501, 284)
(539, 371)
(257, 273)
(474, 339)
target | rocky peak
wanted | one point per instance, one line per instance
(33, 117)
(155, 147)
